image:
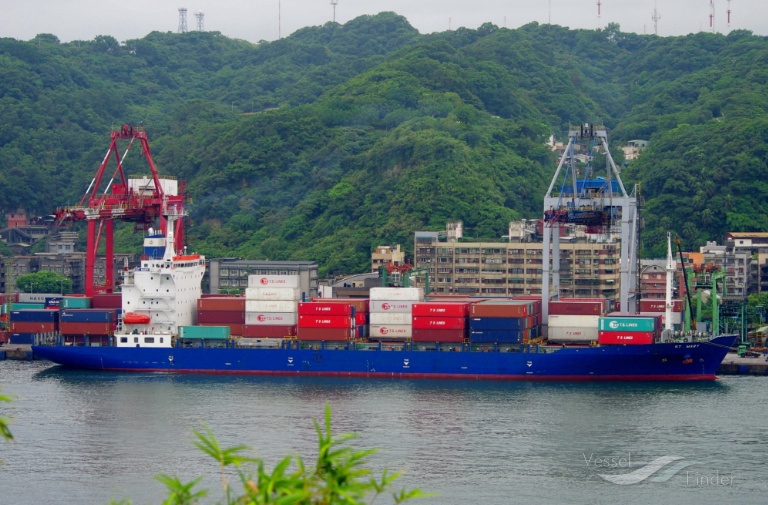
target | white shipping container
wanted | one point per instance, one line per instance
(397, 294)
(270, 318)
(273, 294)
(273, 281)
(677, 317)
(400, 331)
(390, 318)
(390, 306)
(36, 297)
(271, 306)
(572, 335)
(573, 321)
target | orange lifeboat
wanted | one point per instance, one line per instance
(133, 318)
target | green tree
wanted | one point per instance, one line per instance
(5, 432)
(44, 281)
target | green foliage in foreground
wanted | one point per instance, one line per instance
(44, 281)
(5, 432)
(339, 476)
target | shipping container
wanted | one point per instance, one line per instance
(34, 315)
(326, 322)
(361, 318)
(234, 329)
(433, 309)
(389, 318)
(273, 294)
(207, 332)
(534, 299)
(571, 335)
(271, 306)
(360, 304)
(570, 308)
(269, 331)
(626, 337)
(274, 281)
(607, 303)
(75, 302)
(220, 317)
(271, 318)
(676, 318)
(326, 334)
(439, 323)
(391, 306)
(81, 328)
(24, 306)
(88, 315)
(107, 301)
(325, 309)
(629, 323)
(437, 335)
(396, 294)
(498, 336)
(390, 331)
(35, 297)
(649, 305)
(509, 308)
(223, 304)
(499, 323)
(9, 297)
(22, 338)
(570, 321)
(33, 327)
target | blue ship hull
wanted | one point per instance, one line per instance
(665, 361)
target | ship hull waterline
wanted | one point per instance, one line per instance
(652, 362)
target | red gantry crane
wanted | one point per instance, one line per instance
(141, 200)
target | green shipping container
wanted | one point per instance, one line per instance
(75, 302)
(23, 306)
(627, 323)
(207, 332)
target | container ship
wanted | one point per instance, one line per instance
(164, 323)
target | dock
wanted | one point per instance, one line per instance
(733, 364)
(21, 352)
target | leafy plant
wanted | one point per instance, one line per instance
(5, 432)
(339, 476)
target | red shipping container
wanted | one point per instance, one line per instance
(33, 327)
(535, 299)
(569, 308)
(360, 304)
(221, 303)
(424, 335)
(649, 305)
(625, 337)
(276, 331)
(500, 309)
(334, 334)
(361, 318)
(439, 323)
(325, 322)
(441, 309)
(76, 328)
(107, 301)
(324, 309)
(220, 316)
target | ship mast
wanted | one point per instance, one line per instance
(667, 333)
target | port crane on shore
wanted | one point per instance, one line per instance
(143, 200)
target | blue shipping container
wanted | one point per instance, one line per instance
(88, 315)
(34, 316)
(22, 338)
(497, 323)
(491, 336)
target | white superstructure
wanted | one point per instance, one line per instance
(161, 294)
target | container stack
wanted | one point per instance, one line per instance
(440, 321)
(271, 306)
(96, 324)
(630, 329)
(26, 323)
(391, 316)
(222, 311)
(502, 321)
(653, 307)
(356, 308)
(575, 321)
(74, 302)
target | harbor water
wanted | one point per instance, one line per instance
(88, 437)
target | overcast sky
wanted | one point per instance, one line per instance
(255, 20)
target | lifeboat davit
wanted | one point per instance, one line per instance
(133, 318)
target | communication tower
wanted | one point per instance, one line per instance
(200, 18)
(334, 3)
(182, 20)
(579, 197)
(728, 12)
(712, 16)
(656, 17)
(598, 13)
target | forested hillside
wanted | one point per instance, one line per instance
(339, 138)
